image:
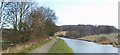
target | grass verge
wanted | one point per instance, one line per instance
(28, 49)
(60, 47)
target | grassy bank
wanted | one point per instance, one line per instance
(103, 38)
(26, 47)
(93, 37)
(60, 47)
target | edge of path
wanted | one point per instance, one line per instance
(44, 48)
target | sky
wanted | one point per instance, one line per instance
(95, 12)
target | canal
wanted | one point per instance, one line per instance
(80, 46)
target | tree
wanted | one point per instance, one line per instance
(24, 10)
(42, 21)
(1, 8)
(50, 28)
(3, 19)
(16, 13)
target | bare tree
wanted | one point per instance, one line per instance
(1, 6)
(24, 10)
(42, 21)
(15, 14)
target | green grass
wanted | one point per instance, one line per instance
(93, 37)
(28, 49)
(60, 47)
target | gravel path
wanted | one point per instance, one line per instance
(45, 48)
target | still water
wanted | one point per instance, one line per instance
(80, 46)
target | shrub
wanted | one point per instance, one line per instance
(103, 40)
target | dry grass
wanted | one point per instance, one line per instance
(94, 37)
(103, 40)
(18, 48)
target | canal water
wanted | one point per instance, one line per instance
(80, 46)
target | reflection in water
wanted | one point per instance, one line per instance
(79, 46)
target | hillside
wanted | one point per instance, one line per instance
(83, 30)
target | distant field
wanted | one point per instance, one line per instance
(93, 37)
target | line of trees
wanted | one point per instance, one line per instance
(26, 21)
(83, 30)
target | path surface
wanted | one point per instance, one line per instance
(45, 48)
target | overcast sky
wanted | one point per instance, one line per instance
(95, 12)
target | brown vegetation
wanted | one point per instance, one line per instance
(103, 40)
(18, 48)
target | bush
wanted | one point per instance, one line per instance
(103, 40)
(15, 36)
